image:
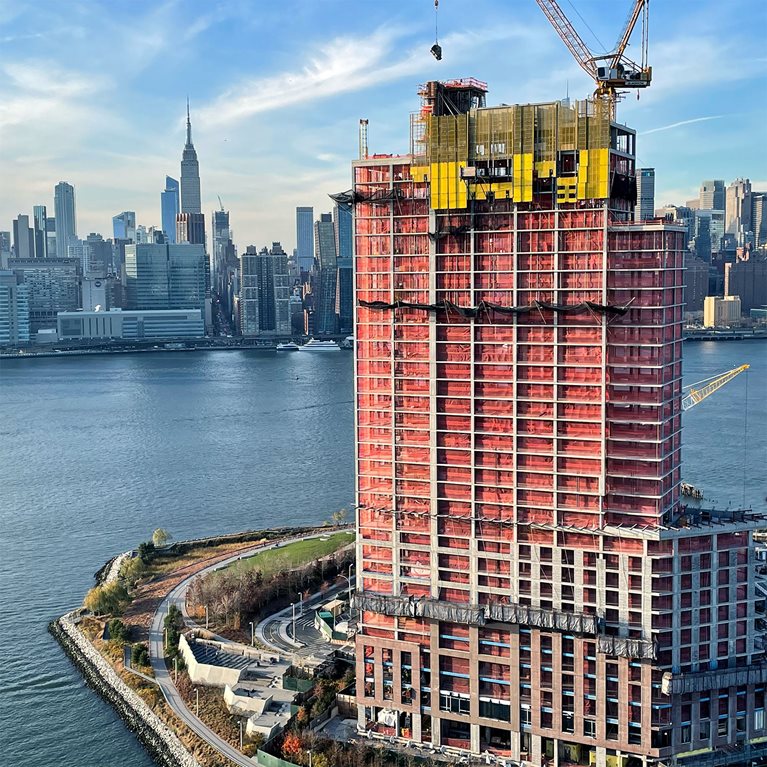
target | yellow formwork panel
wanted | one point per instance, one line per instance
(503, 190)
(583, 173)
(523, 177)
(419, 173)
(448, 189)
(598, 174)
(546, 168)
(567, 189)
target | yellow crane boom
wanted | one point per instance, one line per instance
(697, 392)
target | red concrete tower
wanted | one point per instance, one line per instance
(529, 583)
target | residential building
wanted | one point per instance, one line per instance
(327, 273)
(23, 238)
(190, 227)
(712, 195)
(169, 208)
(190, 173)
(342, 220)
(530, 583)
(645, 208)
(305, 239)
(130, 325)
(748, 281)
(53, 286)
(265, 292)
(66, 219)
(14, 309)
(721, 312)
(40, 230)
(163, 276)
(81, 250)
(696, 278)
(738, 209)
(124, 226)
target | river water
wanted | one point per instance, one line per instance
(96, 452)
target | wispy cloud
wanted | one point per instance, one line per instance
(679, 124)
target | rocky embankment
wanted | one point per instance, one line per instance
(158, 739)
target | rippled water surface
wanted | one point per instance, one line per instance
(95, 452)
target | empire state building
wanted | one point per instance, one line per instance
(190, 173)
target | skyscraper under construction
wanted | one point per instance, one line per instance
(531, 585)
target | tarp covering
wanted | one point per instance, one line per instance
(412, 607)
(551, 619)
(476, 615)
(486, 306)
(676, 684)
(626, 648)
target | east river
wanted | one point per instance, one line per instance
(96, 452)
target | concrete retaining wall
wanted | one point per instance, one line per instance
(158, 739)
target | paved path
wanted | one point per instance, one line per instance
(177, 597)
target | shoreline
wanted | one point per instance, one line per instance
(159, 741)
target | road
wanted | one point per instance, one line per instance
(157, 654)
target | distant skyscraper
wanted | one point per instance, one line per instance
(305, 238)
(23, 238)
(50, 235)
(645, 207)
(162, 276)
(712, 195)
(66, 221)
(342, 221)
(5, 249)
(40, 216)
(748, 280)
(81, 250)
(100, 253)
(695, 283)
(169, 206)
(265, 292)
(190, 173)
(124, 226)
(709, 225)
(737, 209)
(327, 257)
(759, 218)
(14, 309)
(221, 237)
(190, 227)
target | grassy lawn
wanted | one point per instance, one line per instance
(295, 554)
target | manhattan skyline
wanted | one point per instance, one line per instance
(277, 130)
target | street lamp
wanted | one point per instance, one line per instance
(197, 694)
(300, 603)
(240, 723)
(293, 605)
(309, 751)
(207, 619)
(252, 634)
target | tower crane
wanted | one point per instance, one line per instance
(613, 71)
(697, 392)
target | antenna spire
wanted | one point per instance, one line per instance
(188, 124)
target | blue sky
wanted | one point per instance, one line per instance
(93, 92)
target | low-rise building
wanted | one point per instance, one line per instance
(721, 312)
(131, 324)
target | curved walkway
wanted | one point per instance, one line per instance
(177, 597)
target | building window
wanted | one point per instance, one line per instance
(759, 719)
(589, 728)
(704, 730)
(685, 734)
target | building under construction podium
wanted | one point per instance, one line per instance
(530, 584)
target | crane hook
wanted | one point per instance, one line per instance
(436, 49)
